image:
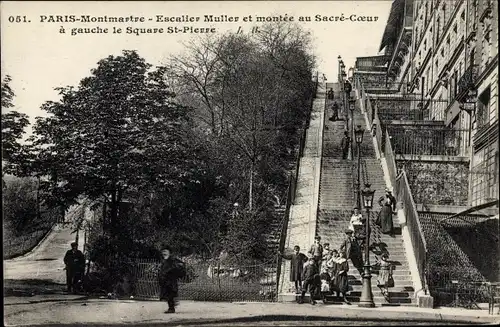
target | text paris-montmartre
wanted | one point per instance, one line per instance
(137, 19)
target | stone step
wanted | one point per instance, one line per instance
(331, 299)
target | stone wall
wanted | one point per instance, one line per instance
(443, 183)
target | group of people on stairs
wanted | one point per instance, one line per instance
(324, 271)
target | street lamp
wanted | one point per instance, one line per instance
(366, 299)
(352, 103)
(358, 136)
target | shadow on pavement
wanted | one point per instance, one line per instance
(30, 287)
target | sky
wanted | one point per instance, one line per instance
(39, 58)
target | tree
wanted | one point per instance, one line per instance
(13, 128)
(120, 130)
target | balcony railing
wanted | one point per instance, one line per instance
(410, 108)
(440, 141)
(467, 81)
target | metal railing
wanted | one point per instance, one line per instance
(411, 140)
(403, 192)
(467, 81)
(389, 158)
(410, 108)
(209, 280)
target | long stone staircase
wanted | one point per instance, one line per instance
(336, 200)
(302, 219)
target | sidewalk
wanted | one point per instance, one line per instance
(110, 312)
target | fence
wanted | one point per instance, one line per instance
(415, 230)
(209, 280)
(416, 140)
(410, 107)
(389, 158)
(457, 271)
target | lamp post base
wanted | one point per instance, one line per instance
(366, 299)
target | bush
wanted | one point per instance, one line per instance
(19, 204)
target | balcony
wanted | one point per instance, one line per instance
(466, 83)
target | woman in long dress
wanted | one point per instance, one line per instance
(341, 278)
(388, 204)
(384, 274)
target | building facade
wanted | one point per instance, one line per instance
(446, 51)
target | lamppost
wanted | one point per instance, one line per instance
(366, 299)
(352, 103)
(339, 58)
(358, 135)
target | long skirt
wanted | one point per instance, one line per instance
(383, 277)
(341, 283)
(386, 224)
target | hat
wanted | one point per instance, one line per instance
(388, 190)
(348, 231)
(74, 244)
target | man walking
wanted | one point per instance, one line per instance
(171, 270)
(346, 140)
(75, 267)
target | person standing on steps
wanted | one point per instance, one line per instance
(311, 278)
(330, 94)
(171, 270)
(388, 206)
(344, 144)
(352, 251)
(74, 262)
(335, 112)
(384, 278)
(297, 261)
(341, 279)
(316, 251)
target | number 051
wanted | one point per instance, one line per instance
(18, 19)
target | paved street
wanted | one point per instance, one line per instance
(109, 312)
(41, 269)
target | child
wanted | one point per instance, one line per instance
(296, 266)
(325, 285)
(341, 279)
(332, 271)
(317, 251)
(309, 276)
(384, 274)
(356, 219)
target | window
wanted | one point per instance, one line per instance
(438, 30)
(425, 45)
(483, 108)
(426, 9)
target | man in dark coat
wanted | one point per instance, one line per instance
(335, 112)
(352, 250)
(296, 266)
(171, 270)
(330, 94)
(344, 144)
(75, 267)
(311, 279)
